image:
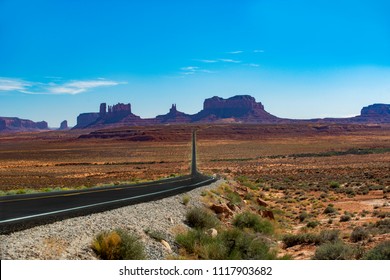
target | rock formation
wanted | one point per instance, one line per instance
(239, 108)
(174, 116)
(236, 109)
(16, 124)
(64, 125)
(86, 119)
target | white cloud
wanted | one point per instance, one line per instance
(235, 52)
(70, 87)
(208, 60)
(76, 87)
(10, 84)
(189, 68)
(229, 60)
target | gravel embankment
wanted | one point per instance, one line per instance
(71, 239)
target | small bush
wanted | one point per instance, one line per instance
(118, 245)
(234, 198)
(156, 235)
(304, 238)
(328, 236)
(345, 218)
(334, 251)
(253, 221)
(330, 209)
(334, 185)
(312, 224)
(358, 234)
(379, 252)
(303, 216)
(186, 199)
(201, 218)
(309, 238)
(229, 244)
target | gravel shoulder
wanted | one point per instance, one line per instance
(71, 239)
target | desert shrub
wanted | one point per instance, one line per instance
(328, 236)
(312, 224)
(296, 239)
(379, 252)
(157, 235)
(186, 199)
(234, 198)
(229, 244)
(334, 185)
(303, 216)
(358, 234)
(330, 209)
(334, 251)
(309, 238)
(380, 227)
(201, 218)
(253, 221)
(345, 218)
(118, 245)
(245, 246)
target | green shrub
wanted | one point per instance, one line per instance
(334, 251)
(358, 234)
(201, 218)
(157, 235)
(334, 185)
(234, 198)
(303, 216)
(297, 239)
(309, 238)
(118, 245)
(379, 252)
(328, 236)
(330, 209)
(229, 244)
(312, 224)
(245, 246)
(345, 218)
(253, 221)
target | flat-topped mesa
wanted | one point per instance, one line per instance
(16, 124)
(376, 110)
(240, 108)
(236, 102)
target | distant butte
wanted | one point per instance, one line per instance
(236, 109)
(16, 125)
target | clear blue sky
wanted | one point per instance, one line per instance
(300, 58)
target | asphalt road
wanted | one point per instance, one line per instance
(23, 211)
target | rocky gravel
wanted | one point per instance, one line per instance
(71, 238)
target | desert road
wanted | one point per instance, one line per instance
(23, 211)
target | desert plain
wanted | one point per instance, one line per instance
(312, 177)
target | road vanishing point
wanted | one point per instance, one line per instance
(19, 212)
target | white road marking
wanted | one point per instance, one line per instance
(100, 203)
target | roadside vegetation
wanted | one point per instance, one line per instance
(118, 245)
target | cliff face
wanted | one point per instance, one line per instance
(16, 124)
(240, 108)
(376, 110)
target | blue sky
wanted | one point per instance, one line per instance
(300, 58)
